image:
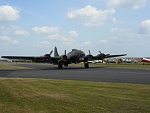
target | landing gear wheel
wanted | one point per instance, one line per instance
(59, 66)
(86, 65)
(66, 65)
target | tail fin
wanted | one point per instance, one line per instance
(56, 52)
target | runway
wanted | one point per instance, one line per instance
(117, 75)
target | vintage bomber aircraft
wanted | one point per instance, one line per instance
(75, 56)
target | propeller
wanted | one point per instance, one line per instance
(63, 57)
(89, 56)
(65, 52)
(89, 52)
(47, 57)
(102, 56)
(50, 53)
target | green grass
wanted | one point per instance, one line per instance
(114, 65)
(55, 96)
(9, 66)
(62, 96)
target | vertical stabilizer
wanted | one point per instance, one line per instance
(56, 52)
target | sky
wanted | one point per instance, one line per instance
(35, 27)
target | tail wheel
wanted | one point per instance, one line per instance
(86, 65)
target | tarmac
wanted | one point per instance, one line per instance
(116, 75)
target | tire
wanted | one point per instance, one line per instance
(86, 65)
(59, 66)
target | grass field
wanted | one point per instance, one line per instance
(10, 66)
(61, 96)
(114, 65)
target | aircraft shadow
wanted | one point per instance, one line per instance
(68, 68)
(53, 67)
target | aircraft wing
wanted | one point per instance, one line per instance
(101, 56)
(35, 59)
(109, 56)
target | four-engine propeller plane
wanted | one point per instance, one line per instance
(75, 56)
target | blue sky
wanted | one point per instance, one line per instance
(35, 27)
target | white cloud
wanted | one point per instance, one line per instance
(8, 13)
(21, 32)
(145, 23)
(112, 30)
(104, 42)
(134, 4)
(13, 30)
(123, 35)
(14, 42)
(45, 29)
(73, 33)
(4, 40)
(144, 27)
(61, 39)
(45, 43)
(87, 43)
(90, 15)
(56, 36)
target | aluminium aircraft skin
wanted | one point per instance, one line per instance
(145, 60)
(75, 56)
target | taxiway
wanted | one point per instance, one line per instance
(117, 75)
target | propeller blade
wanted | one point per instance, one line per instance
(100, 52)
(50, 53)
(89, 56)
(65, 52)
(107, 55)
(89, 52)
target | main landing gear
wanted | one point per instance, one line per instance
(86, 65)
(60, 66)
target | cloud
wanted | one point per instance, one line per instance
(8, 13)
(123, 35)
(144, 27)
(56, 36)
(4, 40)
(21, 32)
(104, 42)
(73, 34)
(134, 4)
(61, 39)
(14, 42)
(90, 15)
(13, 30)
(87, 43)
(45, 43)
(45, 29)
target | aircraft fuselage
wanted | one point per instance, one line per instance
(76, 56)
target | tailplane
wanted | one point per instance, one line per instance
(56, 52)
